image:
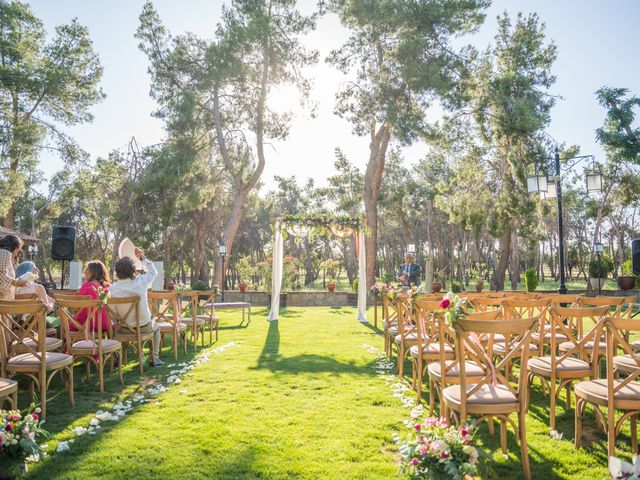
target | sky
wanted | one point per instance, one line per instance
(597, 45)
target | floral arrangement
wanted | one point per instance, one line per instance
(453, 306)
(379, 290)
(19, 435)
(103, 294)
(440, 451)
(621, 470)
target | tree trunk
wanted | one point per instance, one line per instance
(372, 182)
(503, 262)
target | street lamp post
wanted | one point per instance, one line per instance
(551, 187)
(598, 248)
(223, 251)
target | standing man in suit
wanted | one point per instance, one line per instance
(409, 272)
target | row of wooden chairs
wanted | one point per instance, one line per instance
(29, 348)
(469, 366)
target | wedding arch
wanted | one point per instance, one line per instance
(317, 225)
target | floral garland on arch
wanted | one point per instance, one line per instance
(319, 225)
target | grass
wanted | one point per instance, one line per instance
(297, 399)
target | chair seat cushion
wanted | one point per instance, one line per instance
(560, 337)
(635, 345)
(626, 363)
(595, 391)
(127, 337)
(7, 387)
(499, 348)
(408, 338)
(393, 330)
(486, 395)
(50, 344)
(570, 366)
(224, 305)
(471, 369)
(29, 362)
(588, 346)
(167, 327)
(206, 318)
(431, 349)
(108, 345)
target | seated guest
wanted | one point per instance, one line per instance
(132, 284)
(10, 248)
(33, 287)
(409, 272)
(96, 279)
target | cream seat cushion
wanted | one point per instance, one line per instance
(29, 362)
(570, 365)
(471, 369)
(486, 395)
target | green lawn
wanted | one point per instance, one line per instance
(297, 399)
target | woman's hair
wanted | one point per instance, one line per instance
(11, 243)
(98, 272)
(24, 267)
(125, 268)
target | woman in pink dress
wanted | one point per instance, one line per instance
(96, 278)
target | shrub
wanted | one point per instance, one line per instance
(601, 268)
(246, 270)
(530, 280)
(456, 287)
(355, 285)
(199, 285)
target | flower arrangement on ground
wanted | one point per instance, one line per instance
(453, 306)
(20, 434)
(440, 451)
(379, 290)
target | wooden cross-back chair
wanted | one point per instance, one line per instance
(492, 395)
(483, 304)
(389, 323)
(616, 303)
(86, 342)
(197, 311)
(52, 343)
(613, 393)
(165, 308)
(24, 324)
(582, 322)
(446, 370)
(407, 335)
(427, 346)
(25, 296)
(563, 299)
(124, 313)
(560, 369)
(528, 308)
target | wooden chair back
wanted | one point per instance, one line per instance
(563, 299)
(601, 301)
(482, 304)
(516, 332)
(423, 317)
(571, 323)
(164, 305)
(26, 296)
(68, 308)
(615, 329)
(23, 325)
(124, 313)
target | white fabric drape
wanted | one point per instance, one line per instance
(276, 273)
(362, 279)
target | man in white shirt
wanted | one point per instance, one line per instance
(132, 284)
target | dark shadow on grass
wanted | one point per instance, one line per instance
(311, 363)
(373, 328)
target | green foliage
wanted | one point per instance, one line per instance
(331, 269)
(479, 271)
(456, 287)
(354, 285)
(530, 280)
(627, 267)
(199, 285)
(600, 268)
(246, 269)
(618, 134)
(45, 82)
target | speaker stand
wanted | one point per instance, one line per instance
(62, 279)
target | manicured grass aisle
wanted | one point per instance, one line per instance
(297, 399)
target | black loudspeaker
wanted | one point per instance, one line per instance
(635, 256)
(63, 243)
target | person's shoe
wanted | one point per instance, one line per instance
(156, 363)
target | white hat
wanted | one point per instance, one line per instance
(128, 249)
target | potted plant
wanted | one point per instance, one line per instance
(530, 280)
(627, 280)
(479, 272)
(599, 269)
(246, 271)
(438, 283)
(331, 268)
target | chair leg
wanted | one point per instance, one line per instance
(174, 343)
(524, 451)
(14, 399)
(120, 369)
(568, 391)
(87, 364)
(552, 409)
(140, 360)
(634, 435)
(72, 400)
(100, 367)
(503, 436)
(578, 426)
(43, 396)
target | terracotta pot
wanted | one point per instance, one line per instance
(331, 287)
(171, 286)
(436, 286)
(243, 286)
(626, 282)
(479, 287)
